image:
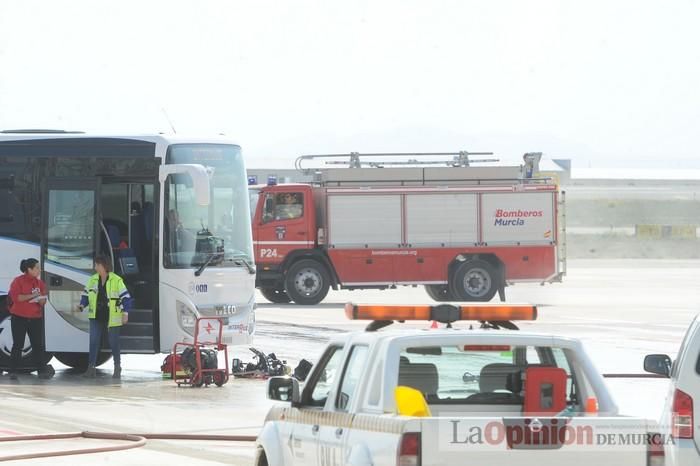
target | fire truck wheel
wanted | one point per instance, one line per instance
(275, 295)
(440, 293)
(474, 280)
(307, 282)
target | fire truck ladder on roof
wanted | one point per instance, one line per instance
(458, 159)
(440, 169)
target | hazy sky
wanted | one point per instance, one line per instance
(606, 83)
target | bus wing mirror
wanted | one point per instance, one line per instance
(199, 174)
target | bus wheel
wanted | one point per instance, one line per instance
(79, 361)
(275, 295)
(307, 282)
(6, 345)
(474, 280)
(440, 293)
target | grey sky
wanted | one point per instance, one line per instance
(609, 83)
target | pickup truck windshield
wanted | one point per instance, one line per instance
(475, 374)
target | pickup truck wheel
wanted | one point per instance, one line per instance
(262, 458)
(307, 282)
(275, 295)
(440, 293)
(475, 280)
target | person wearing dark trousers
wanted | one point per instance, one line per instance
(108, 302)
(27, 299)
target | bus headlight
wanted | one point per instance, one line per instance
(186, 317)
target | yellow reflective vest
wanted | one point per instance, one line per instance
(117, 294)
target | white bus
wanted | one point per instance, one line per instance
(172, 212)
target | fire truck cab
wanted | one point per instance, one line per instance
(463, 232)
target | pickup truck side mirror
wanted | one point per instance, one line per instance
(284, 389)
(658, 364)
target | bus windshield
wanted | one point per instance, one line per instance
(215, 236)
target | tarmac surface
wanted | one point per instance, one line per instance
(621, 309)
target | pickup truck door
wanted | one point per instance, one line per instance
(307, 419)
(333, 434)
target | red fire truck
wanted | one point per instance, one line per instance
(464, 232)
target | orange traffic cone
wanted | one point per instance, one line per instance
(434, 325)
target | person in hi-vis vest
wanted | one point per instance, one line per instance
(108, 302)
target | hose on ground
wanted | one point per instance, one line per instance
(133, 441)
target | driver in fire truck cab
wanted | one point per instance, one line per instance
(288, 206)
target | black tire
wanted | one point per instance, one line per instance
(307, 282)
(275, 295)
(440, 293)
(475, 280)
(261, 458)
(6, 346)
(79, 361)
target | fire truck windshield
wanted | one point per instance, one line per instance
(215, 236)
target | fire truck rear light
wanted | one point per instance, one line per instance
(409, 450)
(444, 313)
(682, 415)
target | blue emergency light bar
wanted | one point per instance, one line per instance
(271, 180)
(252, 180)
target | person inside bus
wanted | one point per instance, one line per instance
(27, 299)
(178, 239)
(108, 302)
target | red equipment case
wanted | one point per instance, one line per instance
(545, 390)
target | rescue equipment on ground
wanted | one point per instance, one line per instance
(302, 370)
(263, 366)
(199, 360)
(172, 362)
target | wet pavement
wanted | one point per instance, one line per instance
(621, 309)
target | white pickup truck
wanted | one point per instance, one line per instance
(682, 407)
(450, 397)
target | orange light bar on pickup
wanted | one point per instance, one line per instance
(388, 312)
(445, 313)
(499, 312)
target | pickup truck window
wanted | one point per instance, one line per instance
(473, 374)
(563, 362)
(351, 376)
(323, 378)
